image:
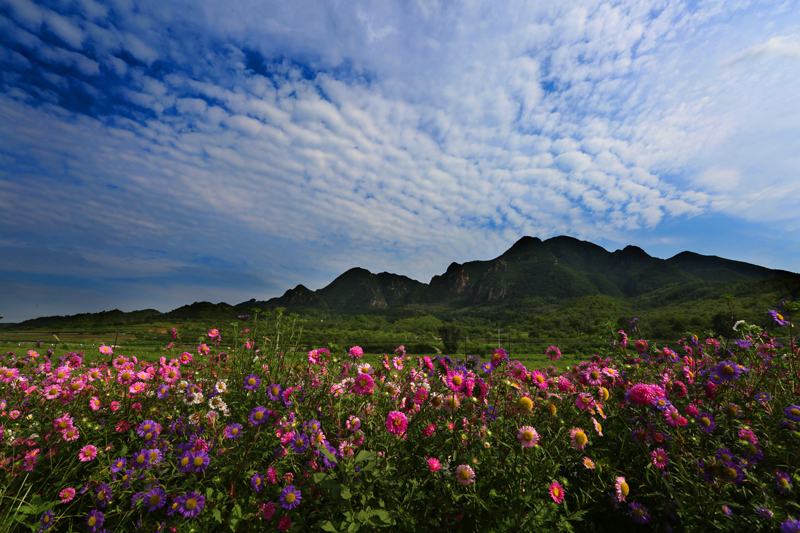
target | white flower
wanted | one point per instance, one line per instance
(738, 323)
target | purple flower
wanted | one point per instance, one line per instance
(258, 415)
(639, 513)
(764, 397)
(257, 481)
(95, 520)
(190, 505)
(792, 412)
(764, 512)
(299, 443)
(47, 520)
(199, 460)
(727, 510)
(141, 459)
(102, 495)
(778, 318)
(149, 430)
(727, 370)
(783, 482)
(274, 392)
(706, 422)
(290, 498)
(252, 382)
(155, 499)
(790, 526)
(118, 464)
(233, 431)
(162, 392)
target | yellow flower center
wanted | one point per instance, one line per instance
(624, 489)
(290, 497)
(198, 461)
(251, 381)
(527, 435)
(154, 499)
(457, 380)
(92, 521)
(259, 415)
(191, 503)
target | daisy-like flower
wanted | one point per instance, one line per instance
(200, 460)
(433, 464)
(47, 520)
(727, 371)
(455, 380)
(764, 512)
(252, 382)
(451, 403)
(155, 499)
(783, 482)
(584, 401)
(525, 404)
(639, 513)
(67, 495)
(190, 505)
(578, 439)
(258, 415)
(106, 350)
(621, 488)
(162, 392)
(778, 318)
(95, 520)
(528, 436)
(274, 392)
(102, 495)
(364, 384)
(290, 497)
(87, 453)
(588, 463)
(659, 458)
(792, 412)
(465, 475)
(727, 510)
(257, 481)
(396, 422)
(51, 392)
(706, 422)
(299, 443)
(232, 431)
(556, 492)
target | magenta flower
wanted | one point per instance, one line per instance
(557, 492)
(396, 423)
(434, 464)
(659, 458)
(67, 495)
(87, 453)
(364, 384)
(553, 353)
(356, 352)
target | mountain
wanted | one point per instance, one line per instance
(557, 270)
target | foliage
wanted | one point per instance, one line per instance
(703, 437)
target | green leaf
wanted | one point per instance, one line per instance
(345, 493)
(328, 526)
(353, 527)
(217, 515)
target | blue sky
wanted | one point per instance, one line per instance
(153, 154)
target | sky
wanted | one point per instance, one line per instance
(154, 154)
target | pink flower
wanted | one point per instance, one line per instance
(106, 350)
(659, 458)
(553, 353)
(429, 430)
(272, 476)
(87, 453)
(692, 410)
(528, 437)
(115, 406)
(284, 524)
(588, 463)
(465, 475)
(94, 403)
(67, 495)
(356, 352)
(434, 464)
(364, 384)
(621, 488)
(556, 492)
(584, 401)
(578, 438)
(645, 394)
(396, 423)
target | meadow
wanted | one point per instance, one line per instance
(247, 430)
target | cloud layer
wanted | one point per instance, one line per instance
(233, 151)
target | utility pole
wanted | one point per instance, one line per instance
(498, 337)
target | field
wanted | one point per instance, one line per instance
(247, 428)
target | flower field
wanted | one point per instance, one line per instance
(702, 435)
